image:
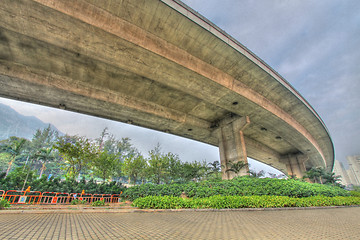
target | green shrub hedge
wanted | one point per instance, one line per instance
(355, 193)
(98, 203)
(240, 186)
(221, 202)
(4, 203)
(15, 181)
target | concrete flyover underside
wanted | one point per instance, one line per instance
(160, 65)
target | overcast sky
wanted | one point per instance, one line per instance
(313, 44)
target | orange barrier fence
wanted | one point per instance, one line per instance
(36, 197)
(63, 198)
(115, 198)
(22, 197)
(47, 198)
(102, 197)
(82, 197)
(54, 198)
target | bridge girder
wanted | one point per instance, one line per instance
(149, 65)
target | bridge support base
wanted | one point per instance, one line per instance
(295, 165)
(232, 146)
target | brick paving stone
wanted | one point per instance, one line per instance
(332, 223)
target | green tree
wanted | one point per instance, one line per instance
(104, 165)
(77, 153)
(158, 165)
(166, 168)
(134, 166)
(44, 138)
(4, 161)
(214, 168)
(14, 147)
(315, 174)
(41, 150)
(236, 167)
(16, 178)
(175, 168)
(331, 178)
(256, 174)
(274, 175)
(320, 175)
(122, 149)
(44, 155)
(194, 171)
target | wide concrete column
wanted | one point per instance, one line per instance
(232, 145)
(295, 164)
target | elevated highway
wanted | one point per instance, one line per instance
(160, 65)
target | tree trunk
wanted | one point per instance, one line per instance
(42, 170)
(10, 163)
(8, 170)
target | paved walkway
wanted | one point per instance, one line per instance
(331, 223)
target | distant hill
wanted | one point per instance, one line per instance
(13, 123)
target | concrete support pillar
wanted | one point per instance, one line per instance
(295, 164)
(232, 145)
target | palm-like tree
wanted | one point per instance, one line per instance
(44, 155)
(274, 175)
(14, 148)
(214, 168)
(257, 174)
(320, 175)
(236, 167)
(315, 174)
(333, 179)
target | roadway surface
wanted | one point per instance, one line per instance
(326, 223)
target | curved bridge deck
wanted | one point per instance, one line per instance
(159, 65)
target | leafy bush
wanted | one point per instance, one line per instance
(240, 186)
(98, 203)
(4, 203)
(355, 193)
(16, 178)
(220, 202)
